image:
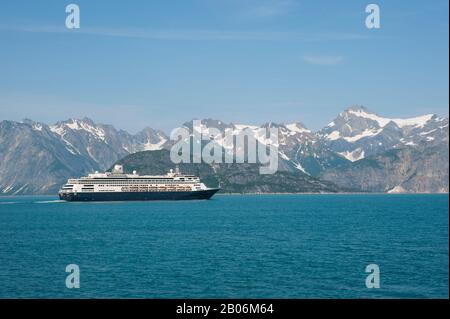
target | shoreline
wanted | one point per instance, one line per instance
(349, 193)
(262, 194)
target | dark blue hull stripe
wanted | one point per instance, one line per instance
(123, 196)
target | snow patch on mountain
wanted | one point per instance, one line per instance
(37, 127)
(353, 156)
(7, 188)
(335, 135)
(428, 132)
(20, 189)
(419, 121)
(57, 129)
(300, 167)
(284, 156)
(149, 146)
(365, 133)
(244, 126)
(396, 190)
(297, 128)
(80, 125)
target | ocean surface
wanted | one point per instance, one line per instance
(255, 246)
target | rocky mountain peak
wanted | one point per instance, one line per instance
(297, 127)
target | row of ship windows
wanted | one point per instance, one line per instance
(146, 185)
(131, 185)
(149, 190)
(136, 182)
(135, 179)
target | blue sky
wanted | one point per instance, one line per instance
(160, 63)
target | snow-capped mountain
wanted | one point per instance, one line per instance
(34, 160)
(358, 133)
(291, 137)
(354, 151)
(37, 158)
(103, 143)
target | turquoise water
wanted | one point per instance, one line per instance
(258, 246)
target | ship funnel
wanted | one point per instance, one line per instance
(118, 169)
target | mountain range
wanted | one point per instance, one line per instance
(358, 151)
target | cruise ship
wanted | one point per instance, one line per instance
(118, 186)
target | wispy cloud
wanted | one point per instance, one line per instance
(192, 34)
(269, 8)
(322, 60)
